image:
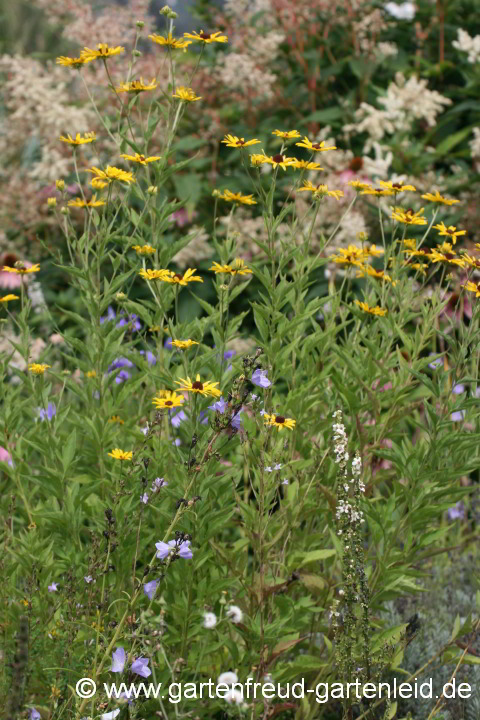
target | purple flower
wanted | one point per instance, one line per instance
(262, 412)
(260, 379)
(278, 466)
(144, 498)
(219, 406)
(34, 714)
(158, 483)
(152, 360)
(203, 417)
(457, 416)
(118, 660)
(124, 320)
(458, 389)
(50, 412)
(5, 456)
(168, 344)
(140, 667)
(177, 442)
(268, 469)
(253, 396)
(285, 482)
(145, 429)
(457, 512)
(236, 420)
(53, 587)
(183, 549)
(435, 363)
(150, 588)
(118, 363)
(178, 418)
(88, 579)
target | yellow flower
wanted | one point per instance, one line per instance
(6, 298)
(71, 62)
(103, 52)
(416, 266)
(20, 269)
(92, 374)
(238, 269)
(376, 191)
(287, 135)
(358, 184)
(450, 231)
(168, 399)
(372, 250)
(207, 38)
(143, 249)
(279, 160)
(153, 274)
(141, 158)
(110, 174)
(170, 41)
(184, 279)
(38, 368)
(60, 184)
(439, 198)
(78, 202)
(372, 310)
(205, 388)
(445, 253)
(184, 344)
(235, 142)
(121, 454)
(316, 147)
(472, 287)
(279, 421)
(378, 274)
(350, 256)
(305, 165)
(89, 137)
(320, 190)
(472, 261)
(408, 217)
(397, 187)
(187, 94)
(116, 419)
(258, 159)
(136, 86)
(52, 202)
(237, 197)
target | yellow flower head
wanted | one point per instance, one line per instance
(176, 278)
(279, 160)
(472, 287)
(437, 198)
(71, 62)
(207, 38)
(235, 142)
(121, 454)
(279, 421)
(372, 310)
(116, 419)
(238, 268)
(137, 86)
(237, 197)
(88, 137)
(110, 174)
(103, 52)
(350, 256)
(377, 274)
(170, 41)
(377, 191)
(141, 158)
(472, 261)
(397, 187)
(408, 217)
(205, 388)
(450, 231)
(288, 135)
(316, 147)
(183, 344)
(446, 254)
(168, 399)
(321, 190)
(358, 184)
(187, 94)
(305, 165)
(7, 298)
(52, 202)
(38, 368)
(372, 250)
(80, 203)
(143, 249)
(20, 269)
(153, 274)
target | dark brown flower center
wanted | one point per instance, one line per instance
(197, 385)
(277, 158)
(279, 419)
(168, 402)
(205, 36)
(9, 259)
(177, 276)
(317, 146)
(398, 186)
(356, 164)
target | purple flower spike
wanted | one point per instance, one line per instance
(140, 667)
(164, 549)
(150, 589)
(49, 413)
(118, 660)
(457, 512)
(260, 379)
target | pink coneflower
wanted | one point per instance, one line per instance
(9, 280)
(183, 217)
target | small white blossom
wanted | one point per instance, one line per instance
(209, 620)
(235, 614)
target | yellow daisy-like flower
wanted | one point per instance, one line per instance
(237, 269)
(437, 198)
(373, 251)
(89, 137)
(121, 454)
(153, 274)
(320, 190)
(316, 147)
(78, 202)
(397, 187)
(235, 142)
(377, 274)
(7, 298)
(110, 174)
(472, 261)
(288, 135)
(71, 62)
(38, 368)
(359, 185)
(20, 269)
(279, 421)
(305, 165)
(377, 191)
(143, 249)
(408, 217)
(472, 287)
(92, 374)
(416, 266)
(237, 197)
(450, 231)
(187, 94)
(279, 160)
(258, 159)
(141, 158)
(372, 310)
(103, 52)
(116, 419)
(52, 202)
(170, 41)
(205, 388)
(207, 38)
(168, 399)
(136, 86)
(446, 254)
(350, 256)
(184, 279)
(184, 344)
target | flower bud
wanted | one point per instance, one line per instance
(140, 24)
(51, 201)
(137, 53)
(64, 211)
(165, 10)
(120, 296)
(152, 190)
(60, 184)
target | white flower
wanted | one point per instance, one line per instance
(469, 45)
(234, 612)
(475, 143)
(405, 11)
(235, 696)
(209, 620)
(227, 678)
(110, 715)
